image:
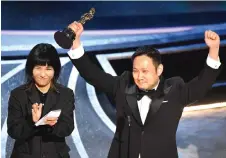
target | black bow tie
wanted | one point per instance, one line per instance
(141, 93)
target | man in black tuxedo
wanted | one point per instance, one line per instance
(148, 107)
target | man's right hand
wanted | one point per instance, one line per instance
(78, 29)
(36, 111)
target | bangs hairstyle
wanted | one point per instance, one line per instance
(42, 54)
(149, 51)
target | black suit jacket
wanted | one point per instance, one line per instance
(22, 128)
(157, 137)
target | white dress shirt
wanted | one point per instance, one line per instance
(144, 106)
(144, 103)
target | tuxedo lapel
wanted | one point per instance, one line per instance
(132, 102)
(131, 99)
(157, 102)
(162, 91)
(154, 107)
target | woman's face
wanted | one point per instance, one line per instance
(43, 75)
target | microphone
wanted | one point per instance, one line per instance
(129, 122)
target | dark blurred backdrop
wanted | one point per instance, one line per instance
(110, 15)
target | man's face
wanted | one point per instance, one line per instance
(145, 74)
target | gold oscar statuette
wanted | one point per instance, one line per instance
(66, 37)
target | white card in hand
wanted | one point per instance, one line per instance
(54, 113)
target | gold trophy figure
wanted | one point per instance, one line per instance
(66, 37)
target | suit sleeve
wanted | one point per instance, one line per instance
(197, 88)
(95, 76)
(19, 126)
(65, 123)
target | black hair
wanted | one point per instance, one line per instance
(149, 51)
(42, 54)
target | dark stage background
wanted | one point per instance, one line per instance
(52, 15)
(117, 29)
